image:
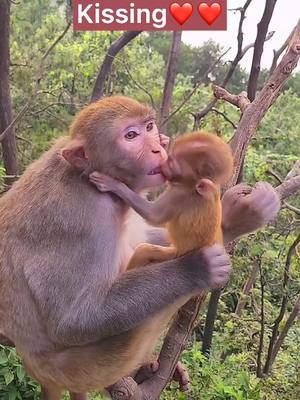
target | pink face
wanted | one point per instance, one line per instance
(140, 141)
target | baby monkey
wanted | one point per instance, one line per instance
(190, 208)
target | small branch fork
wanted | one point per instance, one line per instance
(184, 321)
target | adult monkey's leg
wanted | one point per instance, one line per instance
(78, 396)
(51, 393)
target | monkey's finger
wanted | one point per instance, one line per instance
(95, 174)
(264, 196)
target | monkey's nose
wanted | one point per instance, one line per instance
(155, 151)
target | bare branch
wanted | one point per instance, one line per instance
(262, 323)
(215, 110)
(192, 92)
(239, 55)
(171, 73)
(292, 317)
(294, 171)
(292, 208)
(289, 187)
(255, 112)
(278, 53)
(275, 330)
(247, 289)
(105, 69)
(37, 85)
(241, 100)
(262, 29)
(137, 84)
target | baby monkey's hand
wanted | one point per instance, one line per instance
(104, 183)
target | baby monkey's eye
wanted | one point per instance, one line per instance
(131, 135)
(149, 126)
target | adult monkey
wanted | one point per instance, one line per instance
(77, 322)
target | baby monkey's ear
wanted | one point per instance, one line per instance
(206, 188)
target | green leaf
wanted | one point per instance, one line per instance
(9, 377)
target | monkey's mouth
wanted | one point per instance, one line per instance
(155, 171)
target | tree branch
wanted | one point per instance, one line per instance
(199, 83)
(239, 55)
(215, 110)
(275, 330)
(171, 73)
(255, 112)
(262, 30)
(289, 187)
(262, 323)
(247, 289)
(241, 100)
(292, 317)
(278, 53)
(105, 69)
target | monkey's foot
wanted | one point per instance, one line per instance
(181, 374)
(146, 371)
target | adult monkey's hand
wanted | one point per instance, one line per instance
(247, 209)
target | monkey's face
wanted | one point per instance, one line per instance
(177, 168)
(140, 153)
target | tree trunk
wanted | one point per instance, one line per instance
(170, 81)
(9, 146)
(210, 321)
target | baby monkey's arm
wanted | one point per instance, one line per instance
(156, 212)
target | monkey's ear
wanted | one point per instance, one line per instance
(206, 187)
(76, 156)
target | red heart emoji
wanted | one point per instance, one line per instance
(210, 13)
(181, 13)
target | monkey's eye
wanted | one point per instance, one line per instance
(131, 135)
(149, 127)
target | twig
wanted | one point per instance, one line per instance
(292, 317)
(292, 208)
(275, 330)
(37, 85)
(262, 323)
(198, 84)
(225, 117)
(239, 55)
(294, 171)
(137, 84)
(275, 175)
(247, 289)
(105, 69)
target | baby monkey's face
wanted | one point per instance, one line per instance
(177, 168)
